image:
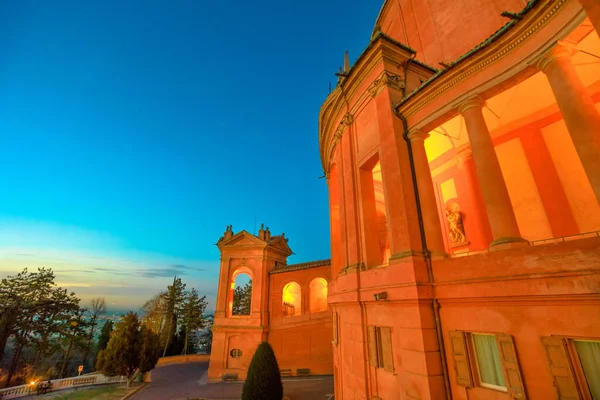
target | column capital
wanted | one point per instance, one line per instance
(417, 135)
(561, 51)
(472, 102)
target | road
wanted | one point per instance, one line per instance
(183, 381)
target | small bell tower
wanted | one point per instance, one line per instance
(236, 336)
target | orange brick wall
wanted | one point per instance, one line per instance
(301, 341)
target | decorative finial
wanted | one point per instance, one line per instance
(346, 62)
(228, 232)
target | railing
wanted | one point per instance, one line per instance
(60, 384)
(539, 242)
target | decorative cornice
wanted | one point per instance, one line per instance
(345, 123)
(405, 254)
(385, 79)
(532, 300)
(351, 268)
(236, 327)
(301, 266)
(504, 44)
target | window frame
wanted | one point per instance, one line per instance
(577, 367)
(473, 360)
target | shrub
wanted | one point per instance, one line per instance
(263, 381)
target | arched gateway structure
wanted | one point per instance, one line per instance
(462, 155)
(287, 308)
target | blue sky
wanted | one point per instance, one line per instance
(133, 132)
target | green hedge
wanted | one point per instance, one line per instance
(263, 381)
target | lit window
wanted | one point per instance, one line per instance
(589, 357)
(292, 300)
(489, 363)
(318, 295)
(374, 214)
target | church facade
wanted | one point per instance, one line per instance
(288, 308)
(462, 156)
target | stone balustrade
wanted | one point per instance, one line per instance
(60, 384)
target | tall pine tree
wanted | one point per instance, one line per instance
(173, 300)
(193, 316)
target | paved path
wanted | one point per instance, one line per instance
(182, 381)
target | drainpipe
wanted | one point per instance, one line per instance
(426, 252)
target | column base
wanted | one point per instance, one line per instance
(508, 243)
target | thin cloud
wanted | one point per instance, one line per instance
(85, 271)
(185, 267)
(166, 272)
(172, 270)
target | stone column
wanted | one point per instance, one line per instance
(476, 223)
(503, 222)
(592, 9)
(577, 109)
(429, 208)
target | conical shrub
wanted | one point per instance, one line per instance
(263, 381)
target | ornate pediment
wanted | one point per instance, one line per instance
(242, 239)
(280, 243)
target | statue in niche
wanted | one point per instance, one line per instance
(455, 224)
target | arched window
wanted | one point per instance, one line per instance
(318, 295)
(292, 300)
(241, 294)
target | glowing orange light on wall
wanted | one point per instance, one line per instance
(292, 296)
(318, 295)
(382, 227)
